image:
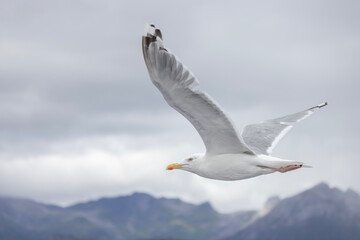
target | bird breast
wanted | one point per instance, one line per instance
(229, 167)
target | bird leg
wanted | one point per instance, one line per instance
(284, 169)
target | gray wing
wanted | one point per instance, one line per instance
(177, 83)
(263, 137)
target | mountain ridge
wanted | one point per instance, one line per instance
(142, 216)
(317, 213)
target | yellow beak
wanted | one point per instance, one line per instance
(174, 166)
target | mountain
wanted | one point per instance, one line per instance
(25, 219)
(139, 216)
(143, 216)
(318, 213)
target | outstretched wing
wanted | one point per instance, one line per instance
(177, 83)
(263, 137)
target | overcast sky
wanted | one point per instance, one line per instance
(80, 118)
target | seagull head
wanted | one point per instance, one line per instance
(190, 163)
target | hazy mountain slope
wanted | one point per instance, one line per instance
(318, 213)
(142, 216)
(25, 219)
(139, 216)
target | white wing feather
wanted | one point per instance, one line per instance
(176, 83)
(263, 137)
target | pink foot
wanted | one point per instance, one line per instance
(289, 168)
(284, 169)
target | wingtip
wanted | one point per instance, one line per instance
(151, 31)
(150, 34)
(319, 106)
(322, 105)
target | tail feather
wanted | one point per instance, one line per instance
(306, 165)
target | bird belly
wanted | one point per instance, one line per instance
(231, 167)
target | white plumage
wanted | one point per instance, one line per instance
(228, 156)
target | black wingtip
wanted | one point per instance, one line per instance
(319, 106)
(150, 35)
(322, 105)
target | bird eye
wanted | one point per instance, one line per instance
(190, 159)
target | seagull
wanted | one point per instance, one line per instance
(229, 156)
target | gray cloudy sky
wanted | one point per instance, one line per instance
(80, 118)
